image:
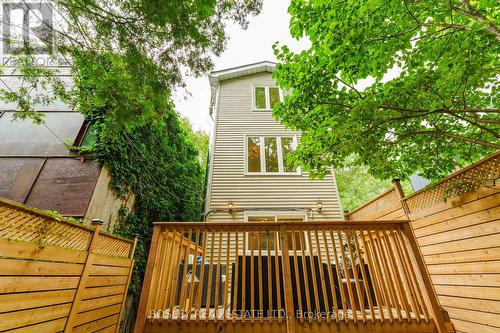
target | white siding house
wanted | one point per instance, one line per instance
(248, 173)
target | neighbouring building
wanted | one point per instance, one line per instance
(249, 178)
(38, 169)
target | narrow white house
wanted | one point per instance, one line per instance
(249, 178)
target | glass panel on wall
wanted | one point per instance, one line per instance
(274, 96)
(23, 137)
(287, 148)
(271, 150)
(253, 237)
(260, 98)
(90, 137)
(253, 154)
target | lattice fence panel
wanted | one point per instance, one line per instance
(484, 173)
(112, 246)
(24, 225)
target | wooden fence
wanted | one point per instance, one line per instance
(59, 276)
(277, 281)
(457, 225)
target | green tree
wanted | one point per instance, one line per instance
(356, 186)
(199, 139)
(126, 57)
(158, 160)
(176, 36)
(440, 111)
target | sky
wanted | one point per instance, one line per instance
(244, 47)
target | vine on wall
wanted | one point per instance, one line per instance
(154, 154)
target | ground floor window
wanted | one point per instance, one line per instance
(297, 238)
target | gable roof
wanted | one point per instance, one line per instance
(235, 72)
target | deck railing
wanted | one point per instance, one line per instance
(286, 272)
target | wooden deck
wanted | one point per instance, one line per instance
(287, 277)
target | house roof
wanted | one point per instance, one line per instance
(235, 72)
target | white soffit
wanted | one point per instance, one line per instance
(235, 72)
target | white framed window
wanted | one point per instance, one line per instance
(298, 238)
(267, 155)
(265, 97)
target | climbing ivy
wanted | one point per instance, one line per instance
(126, 57)
(154, 155)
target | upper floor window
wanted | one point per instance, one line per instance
(86, 136)
(266, 97)
(268, 154)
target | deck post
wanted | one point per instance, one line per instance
(401, 195)
(83, 278)
(287, 281)
(122, 306)
(435, 309)
(148, 276)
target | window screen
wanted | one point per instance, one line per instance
(253, 154)
(271, 150)
(260, 98)
(274, 96)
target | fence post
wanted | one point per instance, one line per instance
(146, 285)
(125, 292)
(437, 315)
(401, 195)
(83, 278)
(287, 281)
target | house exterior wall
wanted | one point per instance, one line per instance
(104, 204)
(62, 184)
(282, 194)
(38, 169)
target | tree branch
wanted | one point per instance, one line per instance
(411, 14)
(474, 14)
(484, 128)
(350, 86)
(440, 133)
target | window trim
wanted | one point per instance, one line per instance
(82, 133)
(268, 100)
(262, 172)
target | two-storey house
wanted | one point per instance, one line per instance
(249, 176)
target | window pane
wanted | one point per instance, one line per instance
(287, 148)
(274, 96)
(253, 154)
(254, 237)
(271, 150)
(90, 137)
(260, 98)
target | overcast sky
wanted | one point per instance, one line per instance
(244, 47)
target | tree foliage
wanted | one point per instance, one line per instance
(440, 109)
(126, 58)
(158, 161)
(177, 37)
(356, 186)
